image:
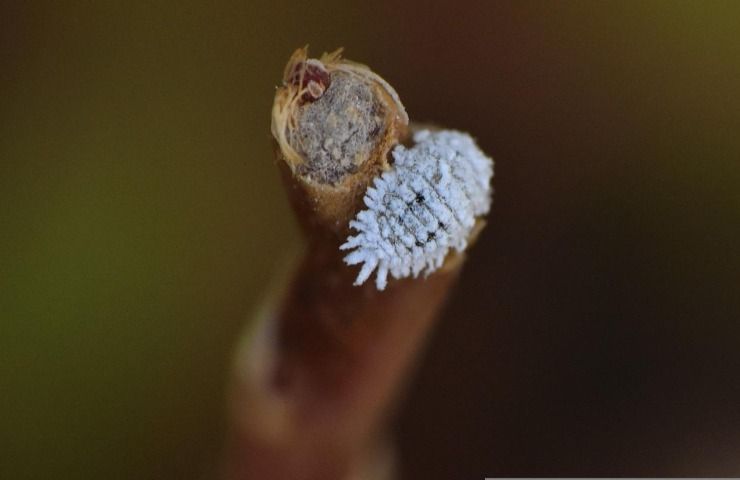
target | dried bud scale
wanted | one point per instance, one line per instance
(335, 122)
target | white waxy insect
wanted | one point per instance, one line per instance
(421, 208)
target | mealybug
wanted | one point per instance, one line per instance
(421, 208)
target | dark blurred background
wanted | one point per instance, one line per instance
(595, 331)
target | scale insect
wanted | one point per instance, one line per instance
(424, 206)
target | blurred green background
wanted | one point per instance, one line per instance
(595, 331)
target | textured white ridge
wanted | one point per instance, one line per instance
(421, 208)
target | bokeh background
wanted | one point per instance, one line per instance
(595, 331)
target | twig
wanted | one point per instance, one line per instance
(315, 376)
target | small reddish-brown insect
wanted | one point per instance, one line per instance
(312, 78)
